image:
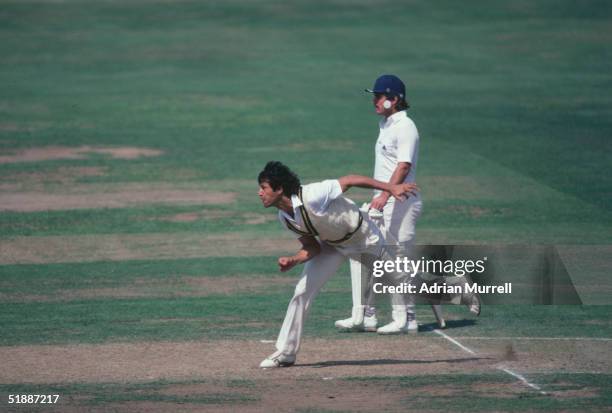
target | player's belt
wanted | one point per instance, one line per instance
(310, 229)
(350, 234)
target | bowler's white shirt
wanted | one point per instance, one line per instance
(318, 196)
(398, 141)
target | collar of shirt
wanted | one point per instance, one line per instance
(296, 203)
(385, 123)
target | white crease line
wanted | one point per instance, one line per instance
(523, 379)
(510, 372)
(455, 342)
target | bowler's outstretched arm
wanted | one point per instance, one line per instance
(397, 190)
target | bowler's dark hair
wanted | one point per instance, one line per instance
(279, 175)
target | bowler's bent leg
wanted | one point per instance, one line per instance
(315, 274)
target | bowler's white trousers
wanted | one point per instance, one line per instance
(315, 274)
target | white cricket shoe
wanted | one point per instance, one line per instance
(393, 328)
(278, 360)
(369, 324)
(402, 323)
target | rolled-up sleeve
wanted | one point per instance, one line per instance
(320, 194)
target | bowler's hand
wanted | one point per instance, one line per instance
(379, 202)
(403, 191)
(286, 263)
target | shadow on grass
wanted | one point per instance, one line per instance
(450, 324)
(378, 362)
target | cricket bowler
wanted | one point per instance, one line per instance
(331, 229)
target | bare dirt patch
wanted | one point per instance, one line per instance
(550, 355)
(331, 395)
(42, 201)
(29, 192)
(249, 218)
(120, 247)
(497, 390)
(82, 152)
(584, 392)
(61, 175)
(225, 359)
(219, 367)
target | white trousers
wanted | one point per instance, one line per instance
(400, 219)
(315, 274)
(398, 227)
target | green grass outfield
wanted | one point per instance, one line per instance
(512, 105)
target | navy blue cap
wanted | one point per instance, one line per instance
(390, 85)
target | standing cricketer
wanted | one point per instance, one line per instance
(396, 157)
